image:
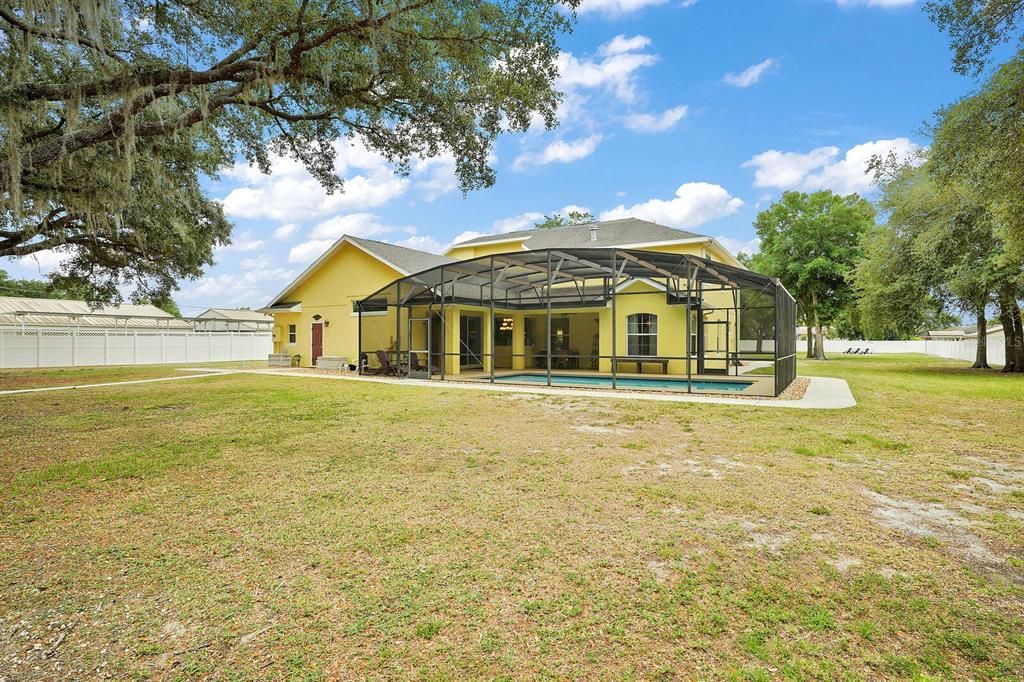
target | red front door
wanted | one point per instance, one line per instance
(318, 343)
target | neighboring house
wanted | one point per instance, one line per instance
(970, 331)
(230, 319)
(61, 314)
(346, 301)
(950, 334)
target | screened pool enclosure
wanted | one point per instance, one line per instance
(585, 317)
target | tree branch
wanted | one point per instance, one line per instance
(12, 19)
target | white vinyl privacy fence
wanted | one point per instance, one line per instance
(21, 348)
(954, 350)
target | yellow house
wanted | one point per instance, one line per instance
(624, 304)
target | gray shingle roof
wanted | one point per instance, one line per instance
(609, 233)
(404, 258)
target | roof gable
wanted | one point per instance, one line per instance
(402, 259)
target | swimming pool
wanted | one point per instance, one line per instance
(623, 382)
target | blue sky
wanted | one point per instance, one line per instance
(693, 114)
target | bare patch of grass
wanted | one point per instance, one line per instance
(256, 527)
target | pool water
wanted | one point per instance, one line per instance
(623, 382)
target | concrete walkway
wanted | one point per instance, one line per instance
(823, 393)
(203, 373)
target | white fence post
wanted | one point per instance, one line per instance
(39, 348)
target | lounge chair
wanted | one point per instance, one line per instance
(386, 368)
(415, 366)
(847, 351)
(866, 351)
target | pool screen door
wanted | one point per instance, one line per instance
(715, 355)
(419, 348)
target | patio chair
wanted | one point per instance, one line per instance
(867, 351)
(848, 351)
(415, 366)
(386, 368)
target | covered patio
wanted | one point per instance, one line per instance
(585, 317)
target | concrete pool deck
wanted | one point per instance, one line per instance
(823, 393)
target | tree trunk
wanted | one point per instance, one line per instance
(1013, 334)
(760, 339)
(1018, 338)
(981, 354)
(819, 338)
(810, 336)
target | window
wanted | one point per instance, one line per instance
(642, 334)
(291, 335)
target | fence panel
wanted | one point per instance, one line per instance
(951, 349)
(76, 348)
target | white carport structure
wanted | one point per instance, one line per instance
(38, 332)
(55, 314)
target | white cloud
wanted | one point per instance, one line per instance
(823, 168)
(693, 204)
(621, 44)
(787, 170)
(354, 224)
(466, 236)
(738, 246)
(559, 151)
(368, 225)
(656, 123)
(43, 262)
(436, 176)
(876, 3)
(256, 263)
(250, 287)
(615, 72)
(290, 193)
(242, 243)
(688, 3)
(286, 231)
(523, 221)
(421, 242)
(615, 8)
(308, 251)
(750, 75)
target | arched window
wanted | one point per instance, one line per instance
(642, 334)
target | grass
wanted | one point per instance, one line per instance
(243, 526)
(12, 379)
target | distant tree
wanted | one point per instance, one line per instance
(36, 288)
(558, 220)
(894, 289)
(167, 305)
(27, 288)
(112, 112)
(977, 144)
(811, 242)
(975, 27)
(941, 243)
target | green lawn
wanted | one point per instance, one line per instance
(244, 526)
